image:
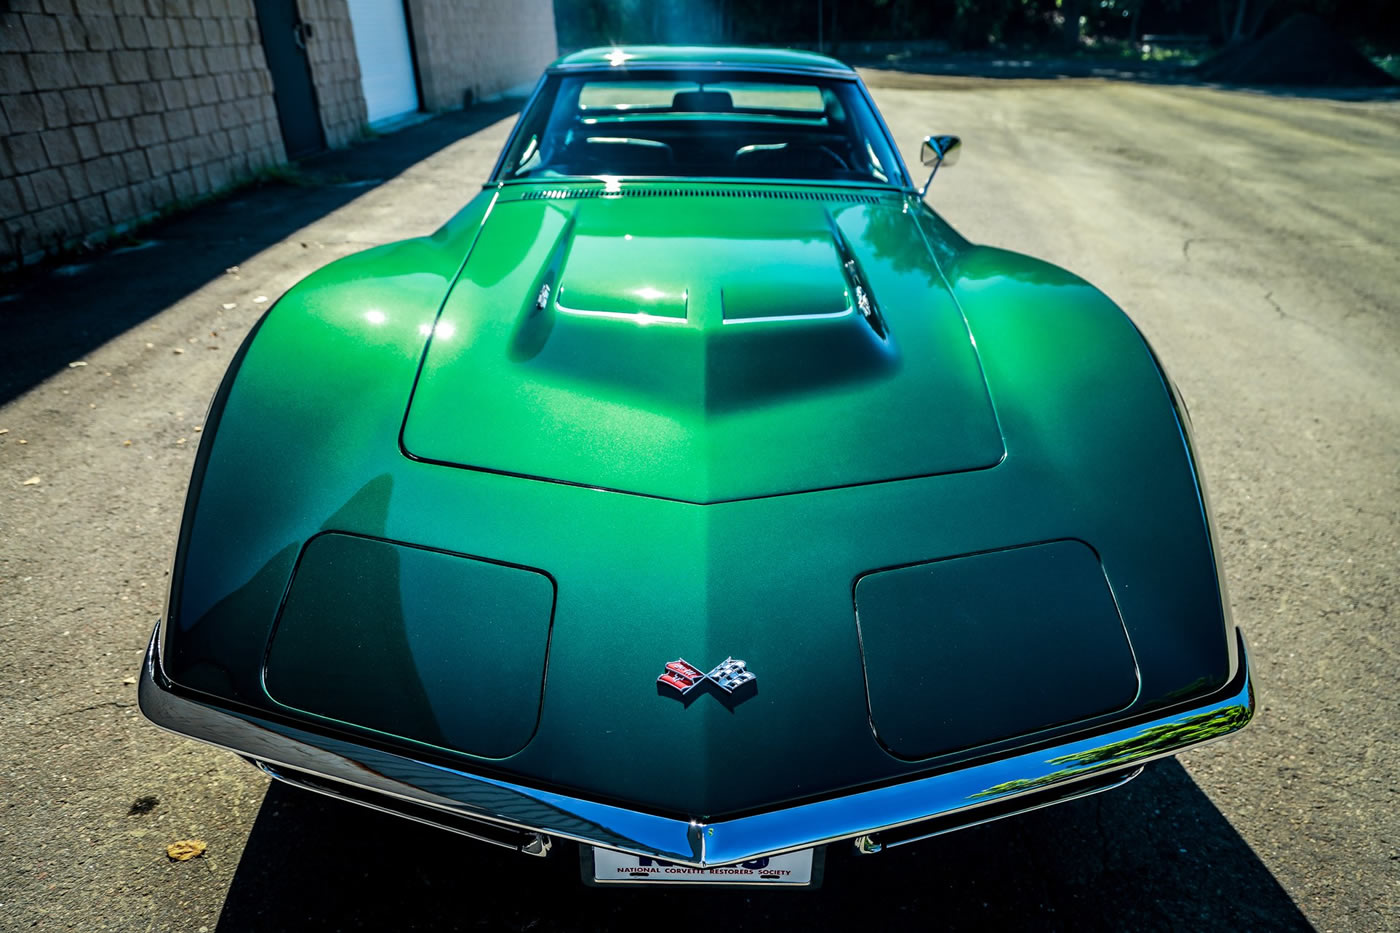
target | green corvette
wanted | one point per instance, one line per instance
(698, 496)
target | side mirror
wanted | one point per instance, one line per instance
(937, 151)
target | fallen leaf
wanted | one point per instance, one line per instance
(150, 346)
(230, 305)
(178, 350)
(180, 441)
(126, 443)
(32, 481)
(198, 428)
(260, 299)
(21, 441)
(128, 680)
(76, 363)
(4, 430)
(185, 849)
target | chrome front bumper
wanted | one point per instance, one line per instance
(949, 800)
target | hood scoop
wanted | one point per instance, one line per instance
(738, 352)
(746, 277)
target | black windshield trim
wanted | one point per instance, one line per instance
(848, 75)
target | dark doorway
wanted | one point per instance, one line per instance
(284, 38)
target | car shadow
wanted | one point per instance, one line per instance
(59, 311)
(1154, 855)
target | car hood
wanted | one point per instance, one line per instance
(328, 578)
(688, 346)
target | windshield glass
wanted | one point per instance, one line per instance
(711, 124)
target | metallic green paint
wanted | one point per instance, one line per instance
(677, 397)
(457, 644)
(674, 55)
(307, 440)
(939, 676)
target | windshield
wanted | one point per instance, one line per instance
(700, 124)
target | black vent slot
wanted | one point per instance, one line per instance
(776, 194)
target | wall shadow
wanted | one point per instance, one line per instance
(53, 315)
(1154, 855)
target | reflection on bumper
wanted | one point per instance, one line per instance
(992, 785)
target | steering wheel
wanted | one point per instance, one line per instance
(836, 159)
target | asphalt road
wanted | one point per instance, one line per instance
(1254, 238)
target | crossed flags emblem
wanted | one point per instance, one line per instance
(729, 675)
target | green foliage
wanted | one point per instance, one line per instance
(969, 24)
(980, 23)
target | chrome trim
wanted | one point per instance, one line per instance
(890, 144)
(493, 178)
(696, 843)
(879, 842)
(507, 837)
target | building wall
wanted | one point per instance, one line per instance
(482, 46)
(112, 109)
(335, 70)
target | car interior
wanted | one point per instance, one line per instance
(723, 129)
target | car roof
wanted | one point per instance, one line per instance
(661, 56)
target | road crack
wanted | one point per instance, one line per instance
(88, 709)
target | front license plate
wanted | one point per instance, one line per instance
(618, 868)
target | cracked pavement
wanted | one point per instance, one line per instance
(1253, 238)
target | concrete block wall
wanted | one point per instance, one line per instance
(112, 109)
(335, 70)
(485, 46)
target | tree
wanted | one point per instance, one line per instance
(1070, 10)
(978, 23)
(1241, 19)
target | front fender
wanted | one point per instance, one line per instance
(312, 400)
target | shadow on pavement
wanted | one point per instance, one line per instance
(1154, 855)
(55, 315)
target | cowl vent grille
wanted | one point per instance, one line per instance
(559, 194)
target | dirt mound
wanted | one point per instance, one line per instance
(1304, 50)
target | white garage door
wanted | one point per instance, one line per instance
(386, 61)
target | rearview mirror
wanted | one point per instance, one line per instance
(937, 151)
